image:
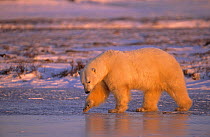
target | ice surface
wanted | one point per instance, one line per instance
(105, 125)
(34, 112)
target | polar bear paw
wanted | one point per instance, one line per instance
(142, 109)
(181, 109)
(116, 110)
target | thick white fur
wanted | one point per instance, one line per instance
(149, 69)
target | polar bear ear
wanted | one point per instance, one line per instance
(94, 70)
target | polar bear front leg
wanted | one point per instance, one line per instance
(151, 99)
(122, 98)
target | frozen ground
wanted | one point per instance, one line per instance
(38, 58)
(44, 43)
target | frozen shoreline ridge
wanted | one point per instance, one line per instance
(113, 23)
(104, 14)
(104, 9)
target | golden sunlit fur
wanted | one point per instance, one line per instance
(150, 70)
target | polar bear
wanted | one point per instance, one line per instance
(150, 70)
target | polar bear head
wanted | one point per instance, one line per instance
(89, 79)
(93, 73)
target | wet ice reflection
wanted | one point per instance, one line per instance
(139, 124)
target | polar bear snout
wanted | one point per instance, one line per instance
(87, 92)
(88, 88)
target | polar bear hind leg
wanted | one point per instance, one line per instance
(181, 97)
